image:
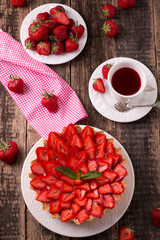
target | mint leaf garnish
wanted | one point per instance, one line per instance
(90, 175)
(68, 172)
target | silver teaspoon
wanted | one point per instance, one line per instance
(123, 107)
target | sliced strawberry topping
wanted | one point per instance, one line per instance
(42, 196)
(100, 151)
(116, 158)
(88, 205)
(82, 156)
(58, 184)
(109, 147)
(64, 205)
(52, 139)
(76, 208)
(69, 131)
(54, 207)
(121, 171)
(91, 152)
(80, 203)
(82, 216)
(72, 162)
(53, 154)
(42, 154)
(49, 165)
(67, 215)
(48, 179)
(37, 183)
(108, 201)
(53, 193)
(63, 161)
(80, 193)
(86, 131)
(73, 151)
(78, 182)
(56, 173)
(102, 180)
(110, 175)
(97, 211)
(68, 180)
(85, 186)
(102, 166)
(100, 138)
(62, 146)
(93, 194)
(66, 187)
(93, 184)
(75, 141)
(88, 142)
(109, 160)
(37, 169)
(106, 188)
(99, 200)
(92, 165)
(66, 197)
(84, 168)
(117, 187)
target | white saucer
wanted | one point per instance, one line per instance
(52, 58)
(104, 103)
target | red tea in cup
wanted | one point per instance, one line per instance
(126, 81)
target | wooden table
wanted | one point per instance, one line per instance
(139, 38)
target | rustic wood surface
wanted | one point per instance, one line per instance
(139, 38)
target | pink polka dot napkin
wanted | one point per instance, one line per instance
(37, 76)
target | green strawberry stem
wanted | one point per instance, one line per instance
(4, 146)
(106, 12)
(13, 77)
(46, 94)
(75, 39)
(106, 28)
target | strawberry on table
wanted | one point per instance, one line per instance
(8, 152)
(110, 28)
(126, 3)
(126, 234)
(109, 10)
(56, 9)
(16, 84)
(105, 70)
(98, 85)
(38, 32)
(50, 101)
(18, 3)
(77, 30)
(43, 48)
(60, 33)
(30, 44)
(156, 217)
(43, 16)
(71, 44)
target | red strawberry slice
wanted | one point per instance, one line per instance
(37, 169)
(52, 155)
(80, 203)
(92, 165)
(109, 147)
(52, 139)
(80, 193)
(37, 183)
(49, 179)
(82, 156)
(69, 131)
(106, 188)
(116, 158)
(85, 186)
(102, 180)
(72, 162)
(64, 205)
(42, 154)
(42, 196)
(66, 187)
(94, 194)
(98, 85)
(99, 200)
(62, 18)
(93, 184)
(84, 168)
(117, 187)
(100, 138)
(91, 152)
(121, 171)
(62, 146)
(54, 207)
(76, 208)
(66, 215)
(108, 201)
(67, 197)
(78, 182)
(56, 173)
(73, 151)
(63, 161)
(109, 160)
(67, 180)
(88, 206)
(75, 141)
(49, 165)
(110, 175)
(58, 184)
(82, 216)
(88, 142)
(53, 193)
(100, 151)
(97, 211)
(87, 131)
(102, 166)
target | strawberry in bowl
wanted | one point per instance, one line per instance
(78, 174)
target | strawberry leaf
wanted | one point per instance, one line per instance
(68, 172)
(91, 174)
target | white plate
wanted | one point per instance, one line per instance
(104, 103)
(70, 229)
(52, 58)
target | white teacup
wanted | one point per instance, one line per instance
(126, 98)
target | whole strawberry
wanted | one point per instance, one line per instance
(105, 70)
(77, 30)
(110, 28)
(8, 152)
(60, 33)
(49, 101)
(156, 217)
(30, 44)
(16, 84)
(71, 23)
(109, 11)
(57, 48)
(56, 9)
(43, 16)
(126, 3)
(18, 3)
(126, 234)
(43, 48)
(50, 24)
(38, 32)
(98, 85)
(71, 44)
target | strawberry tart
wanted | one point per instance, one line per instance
(78, 174)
